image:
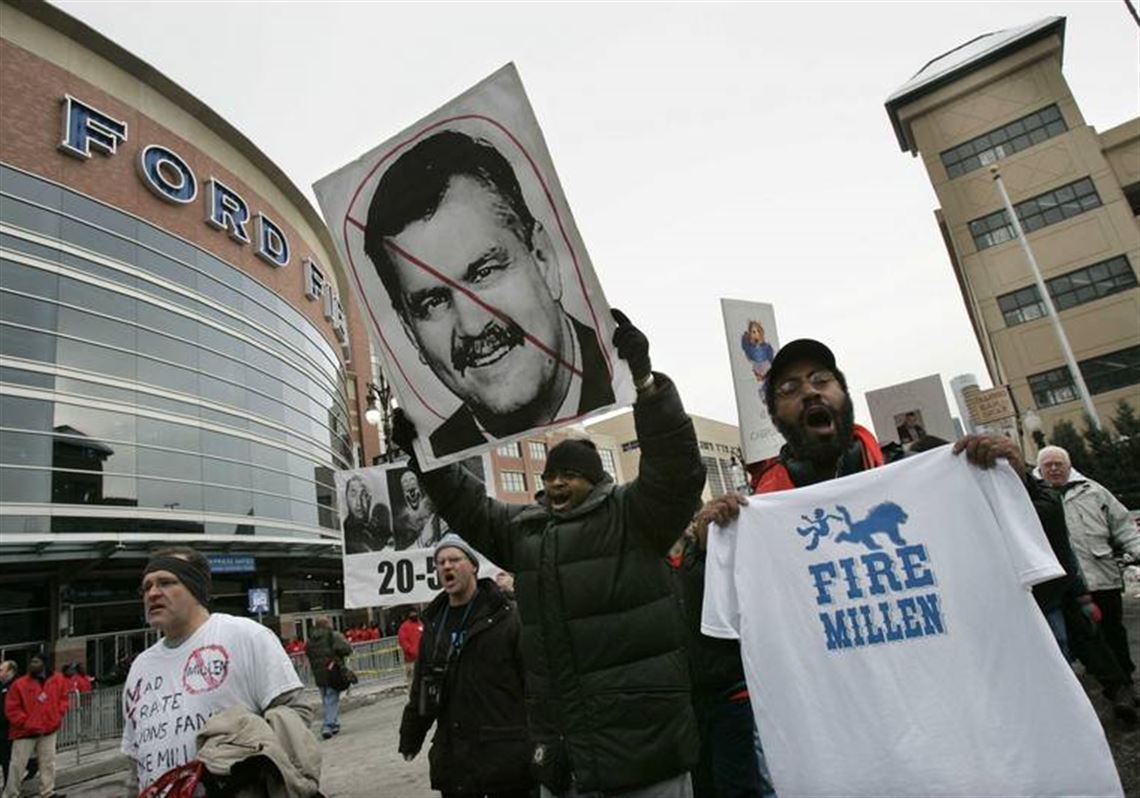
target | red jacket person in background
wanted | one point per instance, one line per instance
(409, 640)
(35, 706)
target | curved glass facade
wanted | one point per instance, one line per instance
(148, 387)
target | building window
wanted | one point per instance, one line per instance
(630, 446)
(1004, 141)
(537, 450)
(1114, 370)
(1036, 212)
(608, 462)
(1069, 290)
(717, 484)
(509, 450)
(1053, 387)
(1132, 194)
(512, 481)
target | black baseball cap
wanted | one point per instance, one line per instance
(799, 350)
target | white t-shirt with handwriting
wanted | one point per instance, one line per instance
(171, 692)
(891, 641)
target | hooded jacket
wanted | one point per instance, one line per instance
(325, 644)
(607, 684)
(1099, 526)
(35, 706)
(480, 743)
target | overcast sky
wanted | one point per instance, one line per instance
(707, 151)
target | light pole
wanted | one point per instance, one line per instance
(379, 411)
(1047, 301)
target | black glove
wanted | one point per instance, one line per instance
(403, 435)
(632, 347)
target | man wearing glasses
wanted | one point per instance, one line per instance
(603, 640)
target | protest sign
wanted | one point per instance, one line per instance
(473, 277)
(390, 529)
(908, 411)
(750, 328)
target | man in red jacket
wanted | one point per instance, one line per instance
(409, 640)
(35, 705)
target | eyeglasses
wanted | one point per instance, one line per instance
(164, 584)
(551, 476)
(817, 379)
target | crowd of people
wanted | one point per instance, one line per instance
(611, 658)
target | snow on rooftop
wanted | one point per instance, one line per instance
(963, 55)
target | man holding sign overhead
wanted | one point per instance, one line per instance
(603, 640)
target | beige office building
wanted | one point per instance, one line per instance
(1002, 99)
(719, 443)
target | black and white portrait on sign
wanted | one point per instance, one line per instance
(417, 524)
(366, 517)
(491, 321)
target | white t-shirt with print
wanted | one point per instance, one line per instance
(171, 692)
(891, 642)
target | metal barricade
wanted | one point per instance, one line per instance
(94, 721)
(374, 661)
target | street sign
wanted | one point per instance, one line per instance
(232, 563)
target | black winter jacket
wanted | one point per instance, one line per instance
(480, 743)
(607, 680)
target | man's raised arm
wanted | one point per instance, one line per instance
(462, 500)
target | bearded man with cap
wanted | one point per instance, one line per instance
(204, 663)
(468, 681)
(807, 399)
(603, 639)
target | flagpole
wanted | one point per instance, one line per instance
(1050, 309)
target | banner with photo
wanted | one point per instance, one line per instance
(390, 528)
(473, 277)
(750, 328)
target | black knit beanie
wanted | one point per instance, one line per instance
(196, 579)
(576, 454)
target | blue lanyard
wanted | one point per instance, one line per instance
(459, 635)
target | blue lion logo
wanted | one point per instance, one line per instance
(885, 518)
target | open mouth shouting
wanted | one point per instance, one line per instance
(819, 419)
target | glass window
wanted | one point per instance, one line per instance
(1003, 141)
(1115, 370)
(608, 462)
(1052, 387)
(170, 495)
(23, 310)
(1035, 213)
(25, 377)
(537, 450)
(23, 448)
(25, 485)
(1069, 290)
(27, 344)
(97, 329)
(28, 280)
(168, 435)
(176, 465)
(30, 414)
(512, 481)
(509, 450)
(25, 216)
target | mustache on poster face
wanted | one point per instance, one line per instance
(468, 349)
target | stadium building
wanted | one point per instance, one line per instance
(176, 360)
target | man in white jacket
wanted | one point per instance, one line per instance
(1099, 526)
